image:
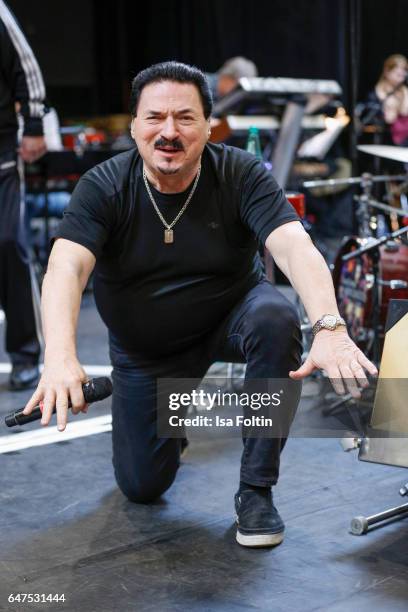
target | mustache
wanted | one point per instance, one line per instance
(175, 144)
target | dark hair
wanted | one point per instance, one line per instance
(171, 71)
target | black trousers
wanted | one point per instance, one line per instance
(263, 331)
(16, 290)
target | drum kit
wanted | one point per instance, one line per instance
(371, 272)
(371, 269)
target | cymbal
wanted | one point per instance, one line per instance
(354, 180)
(387, 151)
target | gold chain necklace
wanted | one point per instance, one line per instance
(168, 232)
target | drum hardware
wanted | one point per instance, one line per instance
(384, 207)
(361, 524)
(368, 332)
(363, 216)
(354, 180)
(350, 443)
(394, 284)
(404, 490)
(375, 243)
(373, 247)
(391, 246)
(355, 282)
(386, 441)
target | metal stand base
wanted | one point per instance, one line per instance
(360, 525)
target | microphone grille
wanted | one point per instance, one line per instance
(97, 389)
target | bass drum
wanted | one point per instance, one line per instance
(353, 282)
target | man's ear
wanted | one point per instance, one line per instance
(132, 128)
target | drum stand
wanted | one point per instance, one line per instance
(360, 525)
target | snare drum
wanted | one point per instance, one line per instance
(353, 282)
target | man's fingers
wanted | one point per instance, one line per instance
(36, 397)
(359, 373)
(77, 398)
(366, 363)
(350, 381)
(62, 408)
(307, 368)
(334, 375)
(48, 406)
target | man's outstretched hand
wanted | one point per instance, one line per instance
(344, 363)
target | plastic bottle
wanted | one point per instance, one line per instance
(253, 143)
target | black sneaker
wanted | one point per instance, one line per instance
(24, 376)
(258, 521)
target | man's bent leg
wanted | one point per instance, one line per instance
(144, 464)
(263, 331)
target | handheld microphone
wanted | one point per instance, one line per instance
(94, 390)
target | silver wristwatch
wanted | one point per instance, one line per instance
(328, 321)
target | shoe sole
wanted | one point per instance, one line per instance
(259, 540)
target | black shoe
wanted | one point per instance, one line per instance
(258, 521)
(24, 376)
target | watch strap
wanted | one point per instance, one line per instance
(320, 324)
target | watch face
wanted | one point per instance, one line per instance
(329, 321)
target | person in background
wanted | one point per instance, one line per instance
(227, 77)
(392, 91)
(21, 88)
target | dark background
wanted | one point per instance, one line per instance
(90, 49)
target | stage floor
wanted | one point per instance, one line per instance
(65, 528)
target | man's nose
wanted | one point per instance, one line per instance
(169, 129)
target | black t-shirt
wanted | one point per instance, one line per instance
(158, 298)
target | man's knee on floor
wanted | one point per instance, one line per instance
(145, 487)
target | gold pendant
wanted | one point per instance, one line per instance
(168, 236)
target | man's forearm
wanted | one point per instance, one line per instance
(60, 304)
(310, 277)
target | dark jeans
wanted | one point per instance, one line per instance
(16, 288)
(262, 331)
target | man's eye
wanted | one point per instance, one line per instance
(186, 119)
